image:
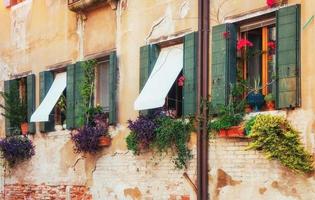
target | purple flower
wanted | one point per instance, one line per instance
(144, 128)
(87, 139)
(17, 149)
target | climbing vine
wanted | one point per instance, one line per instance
(277, 139)
(87, 88)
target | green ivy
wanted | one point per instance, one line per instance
(87, 88)
(132, 143)
(171, 135)
(174, 134)
(277, 139)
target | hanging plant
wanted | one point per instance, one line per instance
(161, 134)
(92, 137)
(16, 149)
(277, 139)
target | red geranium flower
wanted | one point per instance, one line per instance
(226, 34)
(271, 45)
(271, 3)
(181, 81)
(243, 43)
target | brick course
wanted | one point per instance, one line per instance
(45, 192)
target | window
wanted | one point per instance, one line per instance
(19, 103)
(168, 77)
(102, 85)
(258, 61)
(173, 102)
(264, 51)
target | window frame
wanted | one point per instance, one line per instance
(179, 98)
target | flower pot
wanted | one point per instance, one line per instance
(234, 131)
(24, 128)
(104, 141)
(270, 105)
(256, 100)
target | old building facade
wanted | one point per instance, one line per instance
(40, 37)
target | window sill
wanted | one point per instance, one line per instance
(272, 112)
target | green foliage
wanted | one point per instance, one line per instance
(87, 88)
(62, 103)
(174, 134)
(269, 97)
(132, 143)
(277, 139)
(169, 134)
(249, 124)
(15, 109)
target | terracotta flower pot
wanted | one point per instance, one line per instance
(270, 105)
(234, 131)
(104, 141)
(24, 128)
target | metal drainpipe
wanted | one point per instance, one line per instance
(202, 98)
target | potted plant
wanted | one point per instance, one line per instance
(270, 103)
(227, 122)
(101, 120)
(15, 110)
(60, 113)
(16, 149)
(255, 98)
(93, 136)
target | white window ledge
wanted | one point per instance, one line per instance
(282, 113)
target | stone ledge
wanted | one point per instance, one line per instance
(85, 5)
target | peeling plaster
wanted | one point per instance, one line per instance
(19, 16)
(80, 32)
(5, 71)
(184, 9)
(163, 26)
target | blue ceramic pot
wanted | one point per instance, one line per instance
(256, 100)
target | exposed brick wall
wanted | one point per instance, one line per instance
(45, 192)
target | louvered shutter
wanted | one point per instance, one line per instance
(113, 77)
(223, 68)
(46, 79)
(31, 103)
(190, 73)
(288, 57)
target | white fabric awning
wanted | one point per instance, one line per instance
(41, 114)
(166, 69)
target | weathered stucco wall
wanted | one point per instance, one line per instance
(37, 35)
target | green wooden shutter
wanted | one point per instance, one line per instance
(113, 70)
(31, 101)
(70, 97)
(46, 79)
(223, 66)
(288, 57)
(190, 73)
(11, 87)
(148, 57)
(78, 100)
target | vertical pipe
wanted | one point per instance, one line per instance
(205, 89)
(198, 114)
(202, 98)
(199, 83)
